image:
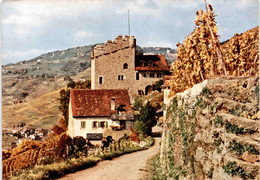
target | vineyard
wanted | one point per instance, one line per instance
(201, 56)
(29, 153)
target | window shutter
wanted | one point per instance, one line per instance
(106, 124)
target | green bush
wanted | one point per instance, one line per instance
(205, 91)
(145, 120)
(158, 85)
(138, 103)
(210, 173)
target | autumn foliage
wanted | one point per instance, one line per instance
(200, 56)
(29, 153)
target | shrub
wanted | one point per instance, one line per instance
(205, 91)
(134, 136)
(210, 173)
(145, 120)
(138, 103)
(158, 85)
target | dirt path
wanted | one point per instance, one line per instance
(126, 167)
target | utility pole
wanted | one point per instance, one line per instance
(128, 22)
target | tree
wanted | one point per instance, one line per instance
(145, 120)
(138, 104)
(65, 96)
(158, 85)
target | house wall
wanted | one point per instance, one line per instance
(166, 101)
(107, 62)
(75, 129)
(79, 131)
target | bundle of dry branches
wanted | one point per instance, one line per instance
(200, 56)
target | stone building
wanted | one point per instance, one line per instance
(116, 65)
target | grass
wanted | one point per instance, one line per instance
(58, 169)
(155, 169)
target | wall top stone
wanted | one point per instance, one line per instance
(120, 42)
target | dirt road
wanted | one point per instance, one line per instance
(126, 167)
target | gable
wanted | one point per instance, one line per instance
(94, 103)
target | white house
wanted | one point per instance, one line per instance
(91, 112)
(166, 92)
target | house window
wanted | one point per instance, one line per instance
(151, 75)
(144, 74)
(95, 124)
(102, 124)
(120, 77)
(159, 75)
(125, 66)
(137, 76)
(83, 124)
(100, 80)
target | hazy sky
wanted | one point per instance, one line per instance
(33, 27)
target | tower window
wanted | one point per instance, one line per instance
(100, 80)
(144, 74)
(120, 77)
(125, 66)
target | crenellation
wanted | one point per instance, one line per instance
(113, 46)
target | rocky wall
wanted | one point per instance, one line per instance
(212, 131)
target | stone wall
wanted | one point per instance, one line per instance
(212, 132)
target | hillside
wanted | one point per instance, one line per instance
(212, 131)
(53, 64)
(46, 73)
(41, 112)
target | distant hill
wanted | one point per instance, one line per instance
(53, 64)
(65, 62)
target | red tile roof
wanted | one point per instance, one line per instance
(159, 63)
(95, 103)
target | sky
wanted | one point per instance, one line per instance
(34, 27)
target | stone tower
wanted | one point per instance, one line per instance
(115, 65)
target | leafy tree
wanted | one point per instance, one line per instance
(145, 120)
(64, 103)
(158, 85)
(138, 104)
(65, 96)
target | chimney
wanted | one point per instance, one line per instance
(113, 104)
